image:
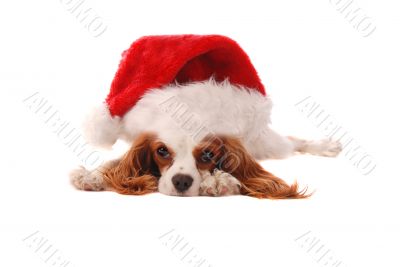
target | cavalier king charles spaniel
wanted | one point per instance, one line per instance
(201, 138)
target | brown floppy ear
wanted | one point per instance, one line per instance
(256, 181)
(136, 173)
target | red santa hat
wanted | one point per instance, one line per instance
(156, 61)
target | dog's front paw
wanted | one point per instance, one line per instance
(209, 186)
(227, 184)
(330, 148)
(84, 180)
(219, 184)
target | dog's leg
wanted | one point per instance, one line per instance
(84, 179)
(324, 147)
(271, 145)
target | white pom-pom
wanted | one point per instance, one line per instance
(100, 128)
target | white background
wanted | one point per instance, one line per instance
(300, 49)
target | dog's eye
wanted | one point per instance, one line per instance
(207, 156)
(163, 152)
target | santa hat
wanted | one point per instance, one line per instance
(156, 61)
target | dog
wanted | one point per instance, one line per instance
(200, 138)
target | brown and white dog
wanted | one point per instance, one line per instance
(195, 139)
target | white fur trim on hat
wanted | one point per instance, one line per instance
(100, 128)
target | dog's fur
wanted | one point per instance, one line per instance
(188, 121)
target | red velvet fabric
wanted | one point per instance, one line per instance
(156, 61)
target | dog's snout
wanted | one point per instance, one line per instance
(182, 182)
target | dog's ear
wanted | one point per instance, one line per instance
(136, 173)
(256, 181)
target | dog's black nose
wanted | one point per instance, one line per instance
(182, 182)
